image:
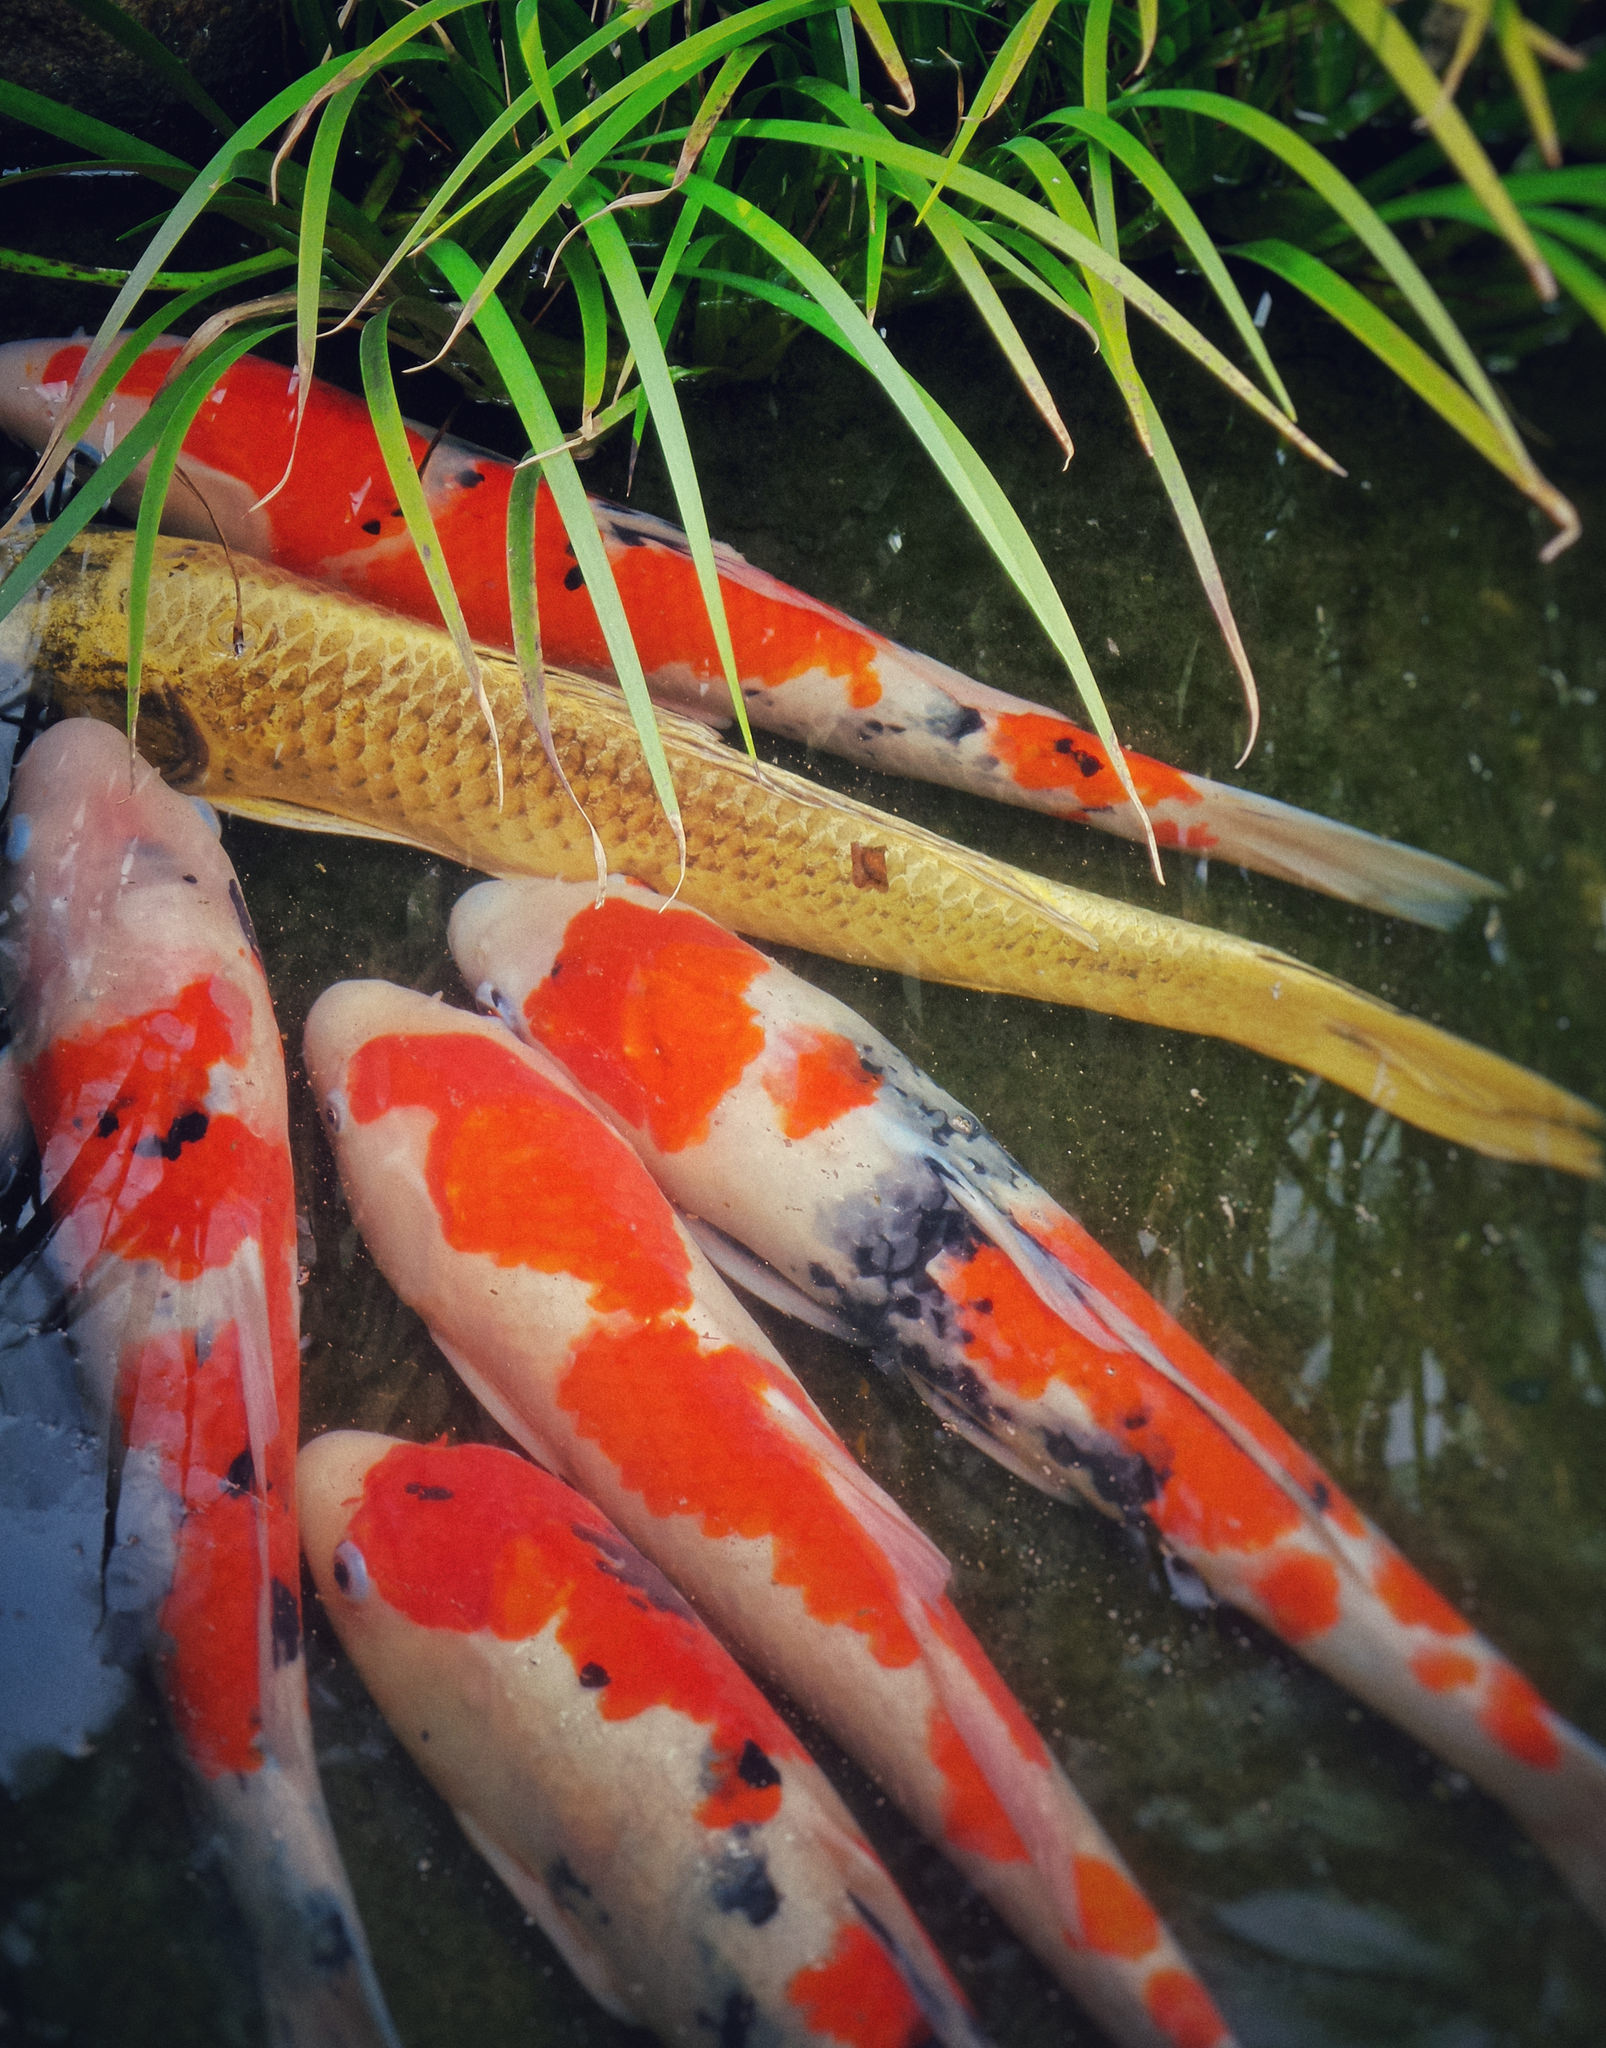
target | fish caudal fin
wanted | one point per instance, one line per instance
(1247, 830)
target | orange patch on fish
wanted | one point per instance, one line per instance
(470, 1537)
(647, 1010)
(1413, 1602)
(189, 1410)
(1117, 1920)
(858, 1996)
(973, 1816)
(1443, 1670)
(1180, 2007)
(1211, 1494)
(1301, 1595)
(1516, 1717)
(818, 1078)
(1041, 751)
(166, 1180)
(520, 1171)
(692, 1431)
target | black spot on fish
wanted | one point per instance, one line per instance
(573, 579)
(242, 918)
(593, 1677)
(568, 1887)
(468, 478)
(371, 526)
(107, 1126)
(735, 2022)
(963, 722)
(189, 1127)
(754, 1768)
(192, 879)
(1138, 1419)
(422, 1492)
(618, 1560)
(329, 1941)
(286, 1624)
(742, 1884)
(821, 1276)
(984, 1307)
(1125, 1484)
(1322, 1494)
(241, 1476)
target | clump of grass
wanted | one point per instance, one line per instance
(573, 214)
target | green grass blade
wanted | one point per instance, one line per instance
(1523, 67)
(391, 433)
(527, 635)
(963, 471)
(533, 50)
(635, 316)
(983, 295)
(1571, 228)
(557, 465)
(998, 83)
(870, 18)
(1577, 279)
(580, 266)
(1408, 360)
(96, 138)
(213, 281)
(1365, 224)
(191, 388)
(1148, 34)
(850, 51)
(1007, 204)
(1173, 203)
(309, 257)
(1389, 42)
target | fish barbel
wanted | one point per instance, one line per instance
(338, 717)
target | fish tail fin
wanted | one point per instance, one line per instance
(319, 1987)
(1248, 830)
(1031, 1845)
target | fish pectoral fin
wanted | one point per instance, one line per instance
(265, 810)
(757, 1277)
(566, 1935)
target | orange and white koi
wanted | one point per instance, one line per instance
(634, 1790)
(806, 671)
(153, 1075)
(776, 1114)
(556, 1279)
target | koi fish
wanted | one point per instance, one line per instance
(774, 1113)
(331, 715)
(153, 1076)
(637, 1794)
(806, 671)
(555, 1278)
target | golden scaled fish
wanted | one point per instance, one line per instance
(284, 701)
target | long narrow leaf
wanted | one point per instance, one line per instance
(635, 316)
(391, 433)
(540, 423)
(997, 85)
(874, 23)
(193, 383)
(526, 615)
(1523, 66)
(1411, 72)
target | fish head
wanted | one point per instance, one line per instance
(331, 1473)
(118, 890)
(506, 936)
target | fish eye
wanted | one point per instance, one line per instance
(334, 1111)
(491, 999)
(351, 1571)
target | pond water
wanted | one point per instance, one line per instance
(1432, 1324)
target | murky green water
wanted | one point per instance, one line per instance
(1432, 1324)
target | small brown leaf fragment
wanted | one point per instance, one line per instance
(870, 867)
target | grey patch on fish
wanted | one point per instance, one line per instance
(329, 1942)
(285, 1624)
(1187, 1588)
(733, 2028)
(1120, 1482)
(243, 917)
(622, 1561)
(955, 725)
(570, 1890)
(740, 1881)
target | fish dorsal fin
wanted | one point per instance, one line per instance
(757, 1277)
(1094, 1315)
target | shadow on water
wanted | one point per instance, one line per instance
(1431, 1324)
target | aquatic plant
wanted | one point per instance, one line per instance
(572, 215)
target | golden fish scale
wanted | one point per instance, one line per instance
(341, 709)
